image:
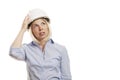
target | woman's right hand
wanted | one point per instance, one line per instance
(25, 23)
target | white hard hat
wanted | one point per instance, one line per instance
(37, 13)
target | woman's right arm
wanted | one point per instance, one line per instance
(18, 40)
(16, 49)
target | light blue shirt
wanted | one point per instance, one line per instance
(52, 64)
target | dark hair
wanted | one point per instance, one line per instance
(47, 19)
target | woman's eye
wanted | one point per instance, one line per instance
(35, 25)
(42, 23)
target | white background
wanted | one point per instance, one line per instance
(90, 30)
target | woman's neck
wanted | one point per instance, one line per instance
(42, 44)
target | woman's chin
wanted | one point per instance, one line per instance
(42, 38)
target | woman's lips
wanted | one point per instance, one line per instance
(41, 33)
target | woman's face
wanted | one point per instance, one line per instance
(40, 29)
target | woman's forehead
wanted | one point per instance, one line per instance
(39, 20)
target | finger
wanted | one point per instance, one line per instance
(26, 18)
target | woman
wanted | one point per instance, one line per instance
(45, 59)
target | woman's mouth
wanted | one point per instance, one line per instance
(41, 33)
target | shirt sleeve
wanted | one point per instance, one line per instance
(17, 53)
(65, 66)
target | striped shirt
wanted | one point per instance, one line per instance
(50, 64)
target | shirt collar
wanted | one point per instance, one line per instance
(49, 41)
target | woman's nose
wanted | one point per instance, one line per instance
(40, 28)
